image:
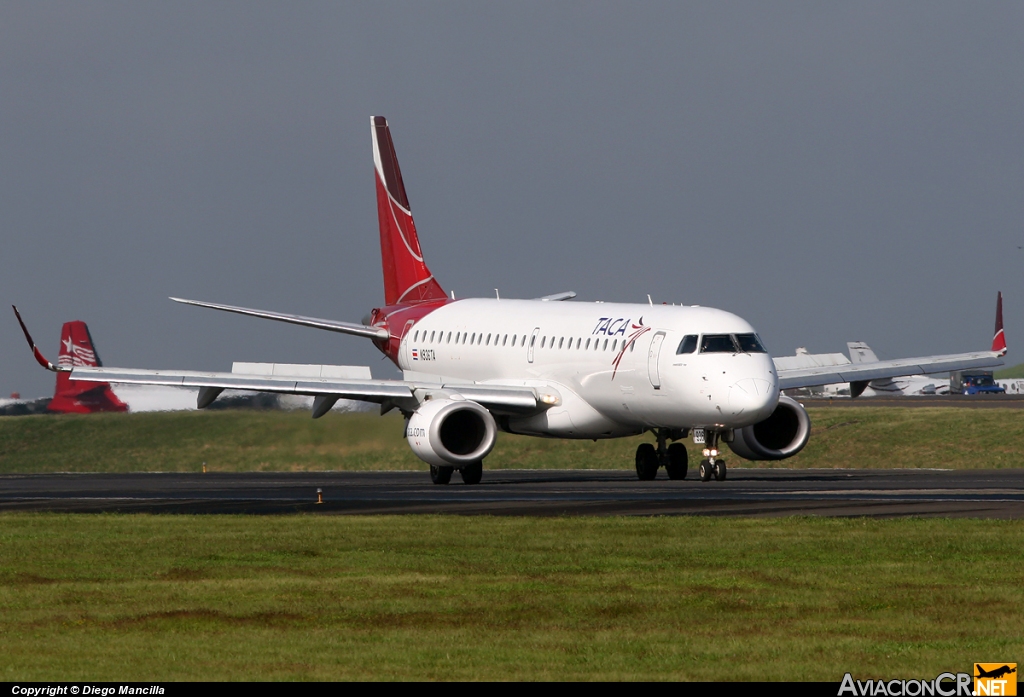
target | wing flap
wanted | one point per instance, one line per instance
(365, 390)
(512, 399)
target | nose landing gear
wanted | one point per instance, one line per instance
(712, 466)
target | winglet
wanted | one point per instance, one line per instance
(40, 359)
(999, 340)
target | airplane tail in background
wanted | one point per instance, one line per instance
(860, 352)
(999, 339)
(79, 396)
(406, 276)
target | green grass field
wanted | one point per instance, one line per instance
(285, 441)
(111, 597)
(1013, 372)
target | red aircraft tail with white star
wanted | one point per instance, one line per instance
(76, 351)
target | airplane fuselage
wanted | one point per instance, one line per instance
(617, 368)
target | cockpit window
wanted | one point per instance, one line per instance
(717, 343)
(749, 343)
(688, 344)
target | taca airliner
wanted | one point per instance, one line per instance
(548, 368)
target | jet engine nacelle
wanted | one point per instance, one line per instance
(450, 432)
(781, 435)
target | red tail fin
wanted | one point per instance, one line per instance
(406, 276)
(80, 396)
(999, 340)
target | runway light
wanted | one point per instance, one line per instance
(319, 495)
(204, 468)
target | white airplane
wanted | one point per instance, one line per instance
(547, 368)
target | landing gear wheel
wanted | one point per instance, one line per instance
(441, 475)
(646, 462)
(677, 461)
(472, 474)
(706, 471)
(720, 471)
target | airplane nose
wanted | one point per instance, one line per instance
(750, 395)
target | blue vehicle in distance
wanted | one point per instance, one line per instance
(974, 382)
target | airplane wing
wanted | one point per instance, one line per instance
(517, 400)
(866, 372)
(328, 324)
(865, 367)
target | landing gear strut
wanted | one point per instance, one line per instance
(712, 466)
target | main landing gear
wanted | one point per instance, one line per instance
(471, 474)
(672, 457)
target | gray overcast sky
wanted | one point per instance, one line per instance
(829, 171)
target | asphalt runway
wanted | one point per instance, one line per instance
(749, 492)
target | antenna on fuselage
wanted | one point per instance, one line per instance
(453, 295)
(649, 301)
(496, 295)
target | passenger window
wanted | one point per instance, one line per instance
(750, 343)
(449, 340)
(632, 345)
(717, 343)
(416, 336)
(606, 344)
(588, 345)
(514, 340)
(472, 339)
(542, 340)
(614, 344)
(688, 344)
(533, 339)
(561, 341)
(488, 342)
(504, 340)
(431, 337)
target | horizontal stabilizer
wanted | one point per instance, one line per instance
(565, 295)
(329, 324)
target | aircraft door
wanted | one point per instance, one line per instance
(653, 358)
(406, 346)
(533, 342)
